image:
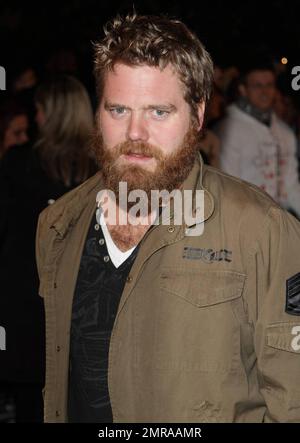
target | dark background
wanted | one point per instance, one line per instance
(31, 31)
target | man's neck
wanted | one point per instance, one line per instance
(125, 229)
(126, 237)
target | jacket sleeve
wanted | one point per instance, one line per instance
(40, 248)
(274, 278)
(292, 177)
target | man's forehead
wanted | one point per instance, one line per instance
(145, 80)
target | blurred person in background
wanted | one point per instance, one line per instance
(285, 103)
(256, 145)
(64, 116)
(23, 81)
(13, 125)
(32, 177)
(209, 142)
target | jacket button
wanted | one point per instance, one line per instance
(57, 348)
(57, 413)
(55, 285)
(129, 279)
(171, 229)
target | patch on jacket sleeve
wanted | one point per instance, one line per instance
(293, 295)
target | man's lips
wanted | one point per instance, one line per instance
(132, 156)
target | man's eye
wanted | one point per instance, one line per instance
(117, 111)
(159, 113)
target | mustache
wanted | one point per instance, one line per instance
(107, 158)
(140, 148)
(103, 155)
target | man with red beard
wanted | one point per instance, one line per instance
(144, 322)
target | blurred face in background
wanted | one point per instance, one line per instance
(16, 132)
(259, 89)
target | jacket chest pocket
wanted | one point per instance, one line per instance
(199, 320)
(203, 289)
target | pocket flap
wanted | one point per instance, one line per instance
(203, 288)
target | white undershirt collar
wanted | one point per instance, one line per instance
(116, 255)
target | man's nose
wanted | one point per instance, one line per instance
(137, 128)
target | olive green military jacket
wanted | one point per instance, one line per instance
(208, 326)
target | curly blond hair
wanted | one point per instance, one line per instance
(156, 41)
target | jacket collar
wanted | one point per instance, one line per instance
(194, 182)
(67, 210)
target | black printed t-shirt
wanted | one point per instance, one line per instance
(97, 294)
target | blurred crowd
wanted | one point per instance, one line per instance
(252, 131)
(45, 130)
(253, 128)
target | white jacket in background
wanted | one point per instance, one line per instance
(265, 156)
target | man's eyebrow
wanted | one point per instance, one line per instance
(108, 105)
(163, 107)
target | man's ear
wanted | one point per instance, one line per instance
(201, 112)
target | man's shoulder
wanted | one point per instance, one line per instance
(235, 194)
(69, 201)
(245, 211)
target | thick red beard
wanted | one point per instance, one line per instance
(170, 172)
